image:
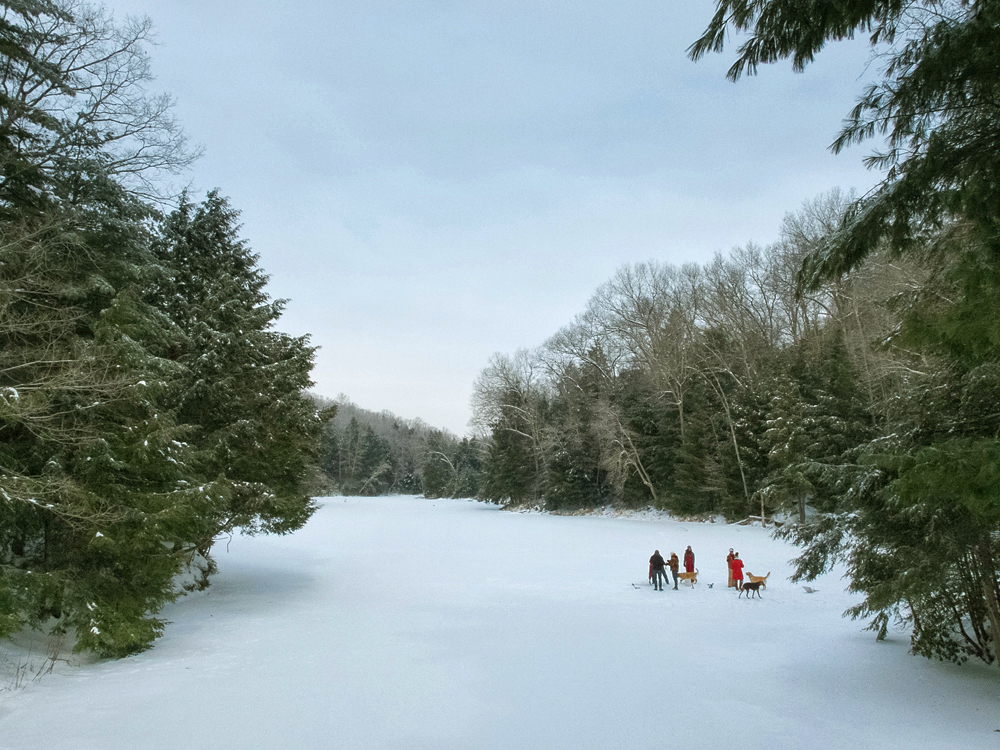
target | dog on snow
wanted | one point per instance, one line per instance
(692, 577)
(753, 587)
(758, 579)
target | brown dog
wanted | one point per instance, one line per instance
(758, 579)
(693, 577)
(753, 587)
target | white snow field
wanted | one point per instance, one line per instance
(406, 623)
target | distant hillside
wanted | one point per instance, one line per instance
(365, 452)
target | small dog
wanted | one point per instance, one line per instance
(758, 579)
(693, 577)
(753, 587)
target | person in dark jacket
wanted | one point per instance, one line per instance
(656, 562)
(674, 565)
(689, 560)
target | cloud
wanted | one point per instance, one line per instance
(432, 181)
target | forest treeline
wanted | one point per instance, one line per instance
(847, 375)
(147, 405)
(700, 389)
(363, 452)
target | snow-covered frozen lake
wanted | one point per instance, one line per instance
(406, 623)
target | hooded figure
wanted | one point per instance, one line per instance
(737, 567)
(729, 564)
(689, 560)
(674, 565)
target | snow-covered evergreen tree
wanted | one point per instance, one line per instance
(787, 440)
(242, 389)
(97, 506)
(145, 405)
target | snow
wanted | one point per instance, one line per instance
(407, 623)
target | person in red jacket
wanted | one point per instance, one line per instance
(729, 565)
(689, 560)
(737, 567)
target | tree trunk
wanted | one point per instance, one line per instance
(641, 471)
(717, 387)
(989, 583)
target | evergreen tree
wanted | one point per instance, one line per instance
(925, 491)
(113, 475)
(364, 461)
(97, 508)
(913, 511)
(469, 465)
(511, 471)
(692, 489)
(573, 474)
(743, 475)
(438, 476)
(242, 388)
(839, 423)
(655, 427)
(387, 454)
(787, 440)
(937, 105)
(23, 187)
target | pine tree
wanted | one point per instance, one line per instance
(112, 477)
(916, 518)
(746, 472)
(654, 426)
(510, 471)
(23, 186)
(96, 510)
(573, 477)
(438, 474)
(690, 488)
(469, 464)
(364, 463)
(787, 441)
(97, 507)
(242, 388)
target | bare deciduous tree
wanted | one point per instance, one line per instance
(84, 95)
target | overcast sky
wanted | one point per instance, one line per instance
(431, 182)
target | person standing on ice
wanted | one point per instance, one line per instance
(659, 574)
(689, 560)
(737, 567)
(729, 565)
(674, 565)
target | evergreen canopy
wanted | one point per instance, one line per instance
(937, 105)
(921, 537)
(146, 406)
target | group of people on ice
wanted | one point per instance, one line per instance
(658, 567)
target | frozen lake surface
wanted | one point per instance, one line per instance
(402, 623)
